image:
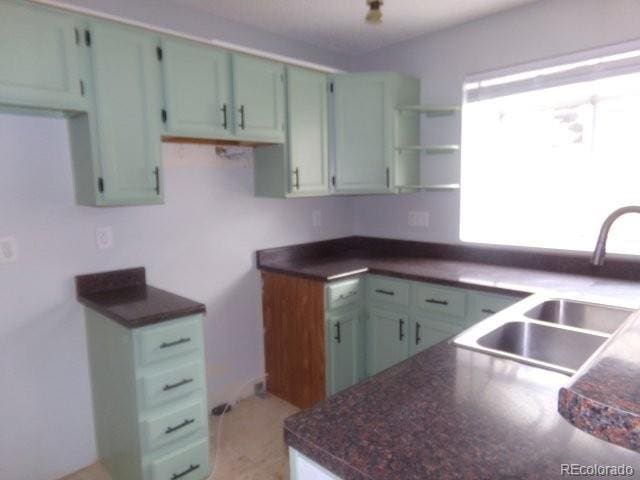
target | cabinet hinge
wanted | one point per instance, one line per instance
(164, 116)
(159, 53)
(333, 180)
(87, 38)
(81, 88)
(100, 184)
(77, 33)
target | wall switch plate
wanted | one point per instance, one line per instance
(316, 218)
(419, 219)
(104, 238)
(8, 250)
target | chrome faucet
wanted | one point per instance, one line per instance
(597, 259)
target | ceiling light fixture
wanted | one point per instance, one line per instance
(374, 15)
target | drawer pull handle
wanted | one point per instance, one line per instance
(182, 382)
(338, 336)
(346, 295)
(400, 329)
(386, 292)
(488, 310)
(418, 339)
(437, 302)
(178, 427)
(186, 472)
(173, 344)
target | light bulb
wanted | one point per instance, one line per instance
(374, 15)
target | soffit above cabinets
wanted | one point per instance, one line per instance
(338, 25)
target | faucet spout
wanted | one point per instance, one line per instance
(597, 259)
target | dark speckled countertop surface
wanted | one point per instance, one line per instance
(450, 412)
(124, 296)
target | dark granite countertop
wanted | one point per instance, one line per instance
(603, 398)
(516, 272)
(449, 413)
(124, 296)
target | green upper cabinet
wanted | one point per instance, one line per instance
(126, 84)
(39, 58)
(388, 339)
(365, 133)
(300, 166)
(343, 362)
(197, 89)
(258, 97)
(307, 128)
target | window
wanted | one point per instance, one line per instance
(547, 154)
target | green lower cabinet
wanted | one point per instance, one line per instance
(387, 338)
(39, 57)
(426, 332)
(149, 398)
(343, 356)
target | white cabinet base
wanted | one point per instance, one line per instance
(302, 468)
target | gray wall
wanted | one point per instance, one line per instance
(533, 32)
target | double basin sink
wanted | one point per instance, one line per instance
(555, 334)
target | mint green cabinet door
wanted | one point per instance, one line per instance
(343, 362)
(426, 331)
(363, 133)
(197, 89)
(307, 128)
(258, 94)
(388, 339)
(127, 94)
(39, 56)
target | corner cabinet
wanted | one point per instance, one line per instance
(40, 52)
(197, 89)
(115, 146)
(149, 397)
(321, 338)
(300, 167)
(365, 132)
(258, 98)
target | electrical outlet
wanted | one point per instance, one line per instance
(104, 238)
(419, 219)
(8, 250)
(316, 218)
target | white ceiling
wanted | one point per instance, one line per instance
(339, 25)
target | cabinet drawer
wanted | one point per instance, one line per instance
(441, 300)
(485, 305)
(171, 384)
(174, 425)
(387, 290)
(169, 340)
(343, 293)
(189, 463)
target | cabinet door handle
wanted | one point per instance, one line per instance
(437, 302)
(173, 344)
(386, 292)
(224, 116)
(388, 181)
(188, 421)
(242, 117)
(418, 339)
(156, 172)
(182, 382)
(296, 172)
(191, 468)
(488, 310)
(338, 336)
(400, 329)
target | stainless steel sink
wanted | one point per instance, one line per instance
(588, 316)
(554, 334)
(568, 349)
